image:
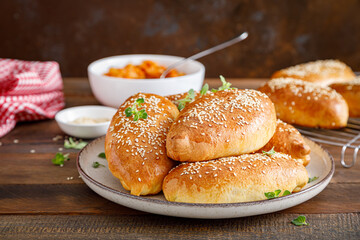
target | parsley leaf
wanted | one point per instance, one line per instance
(269, 153)
(60, 158)
(276, 193)
(70, 143)
(204, 89)
(142, 114)
(97, 164)
(300, 220)
(286, 192)
(102, 155)
(225, 85)
(312, 179)
(189, 98)
(270, 195)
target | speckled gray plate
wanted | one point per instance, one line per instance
(103, 183)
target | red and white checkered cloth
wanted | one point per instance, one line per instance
(28, 91)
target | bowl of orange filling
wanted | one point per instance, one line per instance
(114, 79)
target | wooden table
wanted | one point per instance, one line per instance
(38, 201)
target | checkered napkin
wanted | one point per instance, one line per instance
(28, 91)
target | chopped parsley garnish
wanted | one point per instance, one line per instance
(97, 164)
(102, 155)
(275, 194)
(312, 179)
(269, 153)
(60, 158)
(134, 110)
(189, 98)
(204, 89)
(286, 192)
(225, 85)
(70, 143)
(299, 221)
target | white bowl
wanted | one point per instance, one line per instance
(113, 91)
(65, 117)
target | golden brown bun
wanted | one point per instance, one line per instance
(322, 72)
(287, 139)
(226, 123)
(234, 179)
(351, 92)
(176, 97)
(306, 104)
(136, 151)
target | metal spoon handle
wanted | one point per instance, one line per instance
(216, 48)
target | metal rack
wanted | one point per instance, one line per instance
(347, 138)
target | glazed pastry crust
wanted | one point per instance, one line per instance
(321, 72)
(351, 92)
(135, 150)
(226, 123)
(234, 179)
(287, 139)
(306, 104)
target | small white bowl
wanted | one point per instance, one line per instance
(113, 91)
(65, 117)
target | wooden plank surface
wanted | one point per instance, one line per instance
(77, 198)
(38, 201)
(270, 226)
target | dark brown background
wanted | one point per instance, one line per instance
(282, 33)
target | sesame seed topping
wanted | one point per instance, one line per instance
(143, 139)
(224, 108)
(300, 88)
(316, 67)
(258, 161)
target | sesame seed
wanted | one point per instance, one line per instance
(57, 137)
(16, 140)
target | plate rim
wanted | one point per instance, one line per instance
(204, 205)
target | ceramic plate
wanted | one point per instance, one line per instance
(103, 183)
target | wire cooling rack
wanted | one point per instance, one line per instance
(347, 138)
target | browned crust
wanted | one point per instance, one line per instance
(136, 151)
(306, 104)
(287, 139)
(351, 93)
(225, 123)
(234, 179)
(322, 72)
